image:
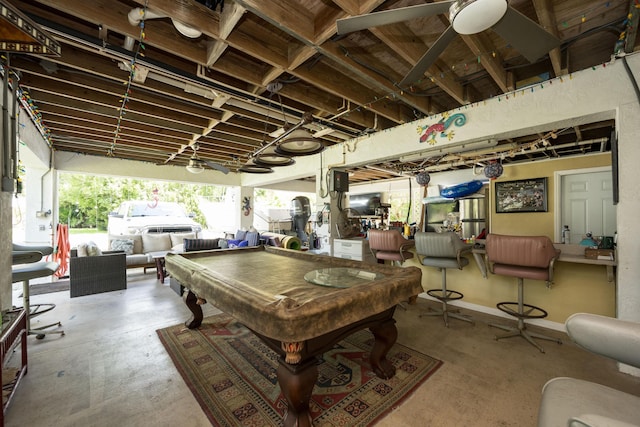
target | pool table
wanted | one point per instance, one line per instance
(299, 304)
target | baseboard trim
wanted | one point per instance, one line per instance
(495, 312)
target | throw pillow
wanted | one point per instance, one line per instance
(223, 244)
(243, 244)
(241, 235)
(125, 245)
(252, 238)
(135, 238)
(93, 249)
(191, 245)
(82, 249)
(233, 243)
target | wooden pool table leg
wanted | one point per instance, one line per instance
(296, 383)
(385, 334)
(192, 304)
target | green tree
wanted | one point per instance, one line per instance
(86, 200)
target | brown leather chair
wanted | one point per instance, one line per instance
(523, 257)
(390, 245)
(443, 250)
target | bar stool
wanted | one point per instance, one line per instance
(26, 265)
(523, 257)
(443, 250)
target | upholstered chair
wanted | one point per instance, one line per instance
(573, 402)
(522, 257)
(443, 251)
(390, 245)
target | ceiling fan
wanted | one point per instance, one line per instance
(197, 165)
(467, 17)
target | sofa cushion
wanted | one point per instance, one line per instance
(139, 259)
(177, 238)
(191, 245)
(253, 237)
(124, 245)
(154, 242)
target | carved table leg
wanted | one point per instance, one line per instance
(296, 383)
(385, 334)
(192, 304)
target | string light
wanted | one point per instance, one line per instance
(122, 110)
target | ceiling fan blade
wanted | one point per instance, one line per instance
(216, 166)
(430, 56)
(385, 17)
(527, 37)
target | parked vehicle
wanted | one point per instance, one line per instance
(138, 217)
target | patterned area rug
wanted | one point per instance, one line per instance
(232, 374)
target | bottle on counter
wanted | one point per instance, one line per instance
(566, 235)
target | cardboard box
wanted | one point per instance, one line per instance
(598, 253)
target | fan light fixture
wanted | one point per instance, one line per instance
(300, 142)
(474, 16)
(195, 165)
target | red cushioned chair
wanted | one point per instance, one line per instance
(523, 257)
(390, 245)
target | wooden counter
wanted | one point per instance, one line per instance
(568, 253)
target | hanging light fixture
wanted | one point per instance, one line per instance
(295, 141)
(300, 142)
(270, 158)
(252, 167)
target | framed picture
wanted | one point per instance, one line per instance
(525, 195)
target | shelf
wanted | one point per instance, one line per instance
(14, 332)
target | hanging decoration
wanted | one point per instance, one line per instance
(122, 110)
(246, 205)
(155, 199)
(423, 178)
(493, 170)
(429, 132)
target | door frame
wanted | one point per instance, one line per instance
(557, 196)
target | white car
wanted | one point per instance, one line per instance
(138, 217)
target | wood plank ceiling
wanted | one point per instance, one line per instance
(256, 66)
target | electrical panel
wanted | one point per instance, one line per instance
(339, 181)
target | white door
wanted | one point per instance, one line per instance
(587, 204)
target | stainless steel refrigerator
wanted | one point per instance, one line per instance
(473, 213)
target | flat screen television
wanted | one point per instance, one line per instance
(365, 204)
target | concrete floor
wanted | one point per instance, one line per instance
(110, 368)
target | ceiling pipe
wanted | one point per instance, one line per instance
(501, 154)
(137, 14)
